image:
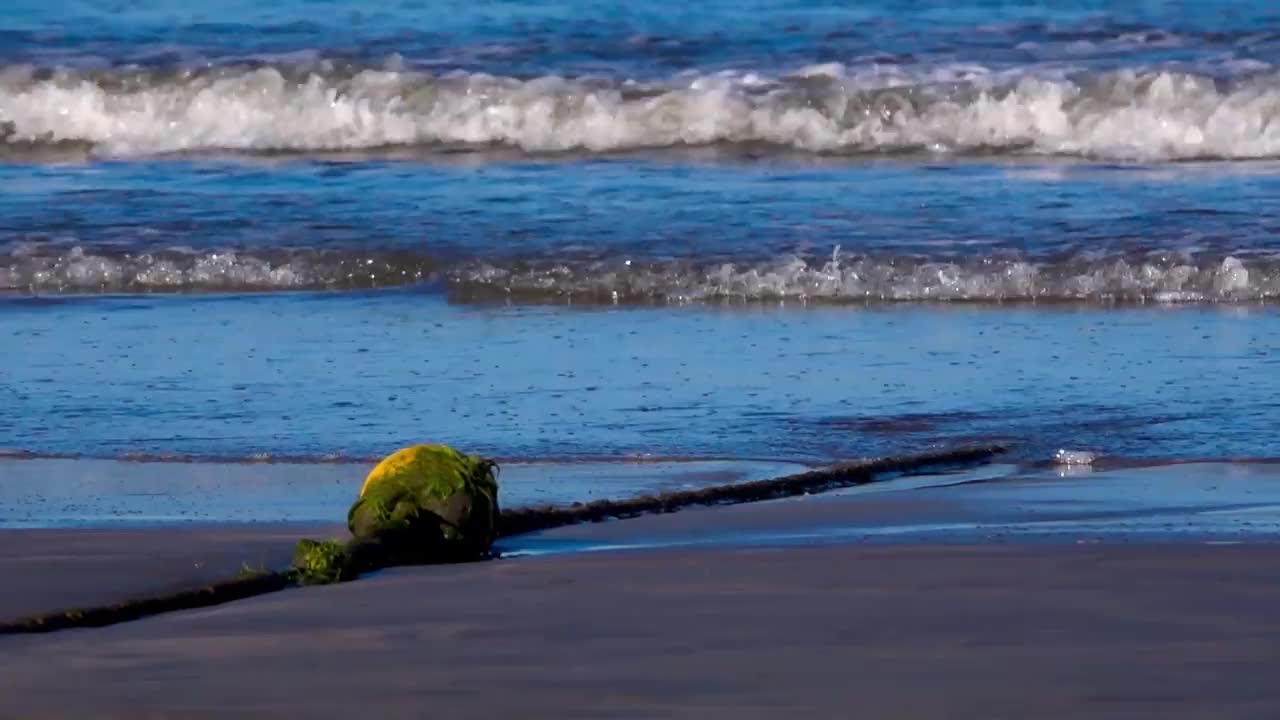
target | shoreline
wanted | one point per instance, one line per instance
(95, 493)
(54, 569)
(260, 578)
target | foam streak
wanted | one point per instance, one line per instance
(1168, 277)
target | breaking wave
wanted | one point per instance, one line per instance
(1123, 115)
(1173, 277)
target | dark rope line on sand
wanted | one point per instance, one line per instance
(526, 520)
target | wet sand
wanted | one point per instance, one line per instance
(60, 569)
(1057, 631)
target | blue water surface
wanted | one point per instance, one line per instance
(634, 39)
(766, 229)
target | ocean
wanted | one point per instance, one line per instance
(748, 235)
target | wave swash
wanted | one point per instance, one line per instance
(1176, 276)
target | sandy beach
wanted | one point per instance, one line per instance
(1048, 632)
(1131, 629)
(52, 569)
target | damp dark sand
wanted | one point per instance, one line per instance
(1051, 631)
(1085, 623)
(50, 569)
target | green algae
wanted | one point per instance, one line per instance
(248, 572)
(320, 562)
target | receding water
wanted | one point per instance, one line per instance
(353, 374)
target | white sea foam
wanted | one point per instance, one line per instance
(840, 278)
(1142, 115)
(1074, 457)
(877, 279)
(81, 271)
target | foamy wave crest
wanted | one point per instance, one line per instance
(1142, 115)
(84, 271)
(875, 280)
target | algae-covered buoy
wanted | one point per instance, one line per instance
(429, 500)
(421, 504)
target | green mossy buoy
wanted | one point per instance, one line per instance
(423, 504)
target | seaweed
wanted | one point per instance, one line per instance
(319, 562)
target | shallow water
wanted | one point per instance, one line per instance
(112, 493)
(789, 231)
(302, 376)
(1215, 503)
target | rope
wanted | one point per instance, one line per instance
(526, 520)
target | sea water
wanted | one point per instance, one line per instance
(767, 230)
